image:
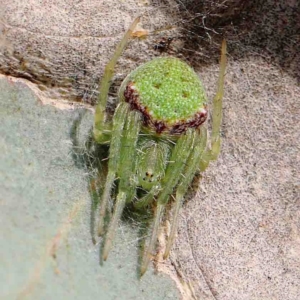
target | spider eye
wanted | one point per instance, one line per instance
(149, 174)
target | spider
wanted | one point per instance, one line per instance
(156, 143)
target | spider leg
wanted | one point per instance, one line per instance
(178, 160)
(126, 168)
(114, 160)
(191, 168)
(102, 128)
(148, 198)
(213, 152)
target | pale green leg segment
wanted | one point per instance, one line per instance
(213, 152)
(148, 251)
(118, 209)
(189, 173)
(102, 127)
(148, 198)
(114, 157)
(126, 167)
(176, 165)
(174, 172)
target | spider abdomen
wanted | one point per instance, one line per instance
(168, 93)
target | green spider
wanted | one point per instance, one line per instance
(155, 139)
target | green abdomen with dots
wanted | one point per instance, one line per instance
(169, 95)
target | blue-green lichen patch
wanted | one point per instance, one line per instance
(168, 93)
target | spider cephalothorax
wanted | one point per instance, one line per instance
(155, 139)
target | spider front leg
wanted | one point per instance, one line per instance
(114, 160)
(107, 131)
(174, 172)
(102, 126)
(125, 167)
(212, 152)
(190, 170)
